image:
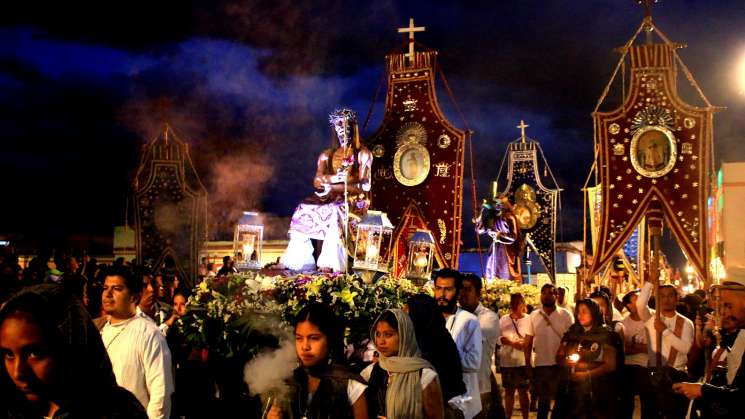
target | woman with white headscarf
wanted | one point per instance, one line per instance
(401, 384)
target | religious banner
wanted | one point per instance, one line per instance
(595, 201)
(170, 207)
(418, 155)
(654, 152)
(535, 205)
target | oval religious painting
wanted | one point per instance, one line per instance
(527, 213)
(653, 151)
(411, 164)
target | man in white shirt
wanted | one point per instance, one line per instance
(513, 359)
(466, 332)
(547, 327)
(470, 300)
(635, 371)
(677, 339)
(138, 351)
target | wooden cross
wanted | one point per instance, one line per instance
(522, 127)
(411, 29)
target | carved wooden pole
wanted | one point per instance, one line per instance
(655, 223)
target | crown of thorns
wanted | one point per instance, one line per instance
(343, 113)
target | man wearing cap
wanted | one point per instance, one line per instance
(724, 401)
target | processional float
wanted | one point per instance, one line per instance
(170, 205)
(417, 170)
(534, 205)
(653, 158)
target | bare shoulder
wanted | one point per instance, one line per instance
(325, 155)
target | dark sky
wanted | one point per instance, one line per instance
(251, 83)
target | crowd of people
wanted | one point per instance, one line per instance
(107, 347)
(435, 357)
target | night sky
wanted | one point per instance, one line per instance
(251, 82)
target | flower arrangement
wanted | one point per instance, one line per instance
(225, 314)
(241, 314)
(358, 303)
(496, 295)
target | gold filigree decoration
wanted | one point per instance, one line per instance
(686, 148)
(383, 173)
(410, 105)
(619, 150)
(614, 128)
(652, 115)
(411, 133)
(443, 230)
(442, 169)
(689, 123)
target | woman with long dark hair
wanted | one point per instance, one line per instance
(322, 386)
(588, 356)
(402, 385)
(55, 362)
(436, 344)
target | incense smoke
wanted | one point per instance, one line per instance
(269, 371)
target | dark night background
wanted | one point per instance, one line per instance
(251, 83)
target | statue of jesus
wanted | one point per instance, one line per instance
(498, 221)
(342, 186)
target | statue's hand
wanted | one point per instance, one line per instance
(326, 189)
(339, 177)
(493, 234)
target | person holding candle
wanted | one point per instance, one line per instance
(588, 357)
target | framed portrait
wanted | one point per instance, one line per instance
(411, 164)
(653, 151)
(527, 213)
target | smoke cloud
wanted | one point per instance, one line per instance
(268, 372)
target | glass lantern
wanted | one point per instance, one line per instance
(421, 253)
(374, 234)
(249, 235)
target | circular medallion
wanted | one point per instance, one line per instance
(653, 151)
(614, 129)
(378, 151)
(411, 164)
(689, 123)
(443, 141)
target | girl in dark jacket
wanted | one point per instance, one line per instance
(56, 365)
(322, 386)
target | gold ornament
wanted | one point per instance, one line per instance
(378, 151)
(443, 141)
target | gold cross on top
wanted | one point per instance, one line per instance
(522, 127)
(411, 29)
